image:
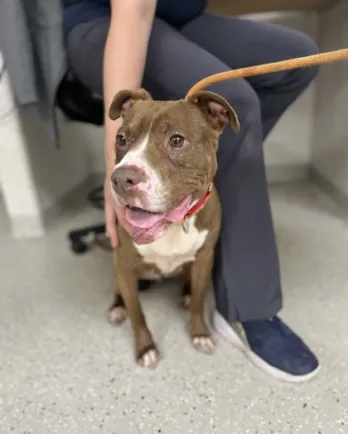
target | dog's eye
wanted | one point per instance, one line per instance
(121, 140)
(177, 141)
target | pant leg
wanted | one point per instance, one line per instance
(246, 275)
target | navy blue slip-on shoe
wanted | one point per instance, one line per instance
(271, 346)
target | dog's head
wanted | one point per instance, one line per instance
(166, 152)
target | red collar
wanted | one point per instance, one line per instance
(198, 206)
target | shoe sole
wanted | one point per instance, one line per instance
(227, 332)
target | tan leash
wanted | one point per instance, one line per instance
(267, 68)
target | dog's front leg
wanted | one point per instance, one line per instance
(200, 277)
(146, 352)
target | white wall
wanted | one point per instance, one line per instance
(330, 144)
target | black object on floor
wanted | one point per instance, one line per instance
(78, 237)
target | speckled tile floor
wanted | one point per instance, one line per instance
(64, 369)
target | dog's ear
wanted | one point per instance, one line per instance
(218, 111)
(124, 99)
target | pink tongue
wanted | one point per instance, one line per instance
(152, 223)
(142, 219)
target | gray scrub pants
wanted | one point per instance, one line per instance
(246, 274)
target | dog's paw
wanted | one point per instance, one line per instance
(204, 344)
(117, 315)
(149, 357)
(186, 301)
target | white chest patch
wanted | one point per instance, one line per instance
(175, 248)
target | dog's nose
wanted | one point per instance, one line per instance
(126, 178)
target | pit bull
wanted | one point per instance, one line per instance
(165, 164)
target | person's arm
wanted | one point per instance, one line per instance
(124, 60)
(124, 57)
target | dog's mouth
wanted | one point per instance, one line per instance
(146, 226)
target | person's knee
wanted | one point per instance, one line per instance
(304, 46)
(247, 143)
(307, 46)
(244, 101)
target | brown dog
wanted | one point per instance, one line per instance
(166, 160)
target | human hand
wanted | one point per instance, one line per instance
(110, 213)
